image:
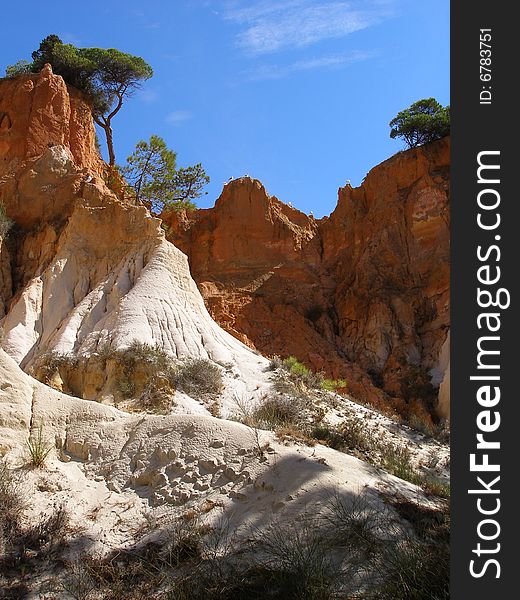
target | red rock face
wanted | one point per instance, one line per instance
(47, 155)
(362, 294)
(37, 111)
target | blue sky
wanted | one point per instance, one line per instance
(297, 93)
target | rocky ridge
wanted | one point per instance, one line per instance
(83, 273)
(362, 294)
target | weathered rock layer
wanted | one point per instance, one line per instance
(82, 270)
(362, 294)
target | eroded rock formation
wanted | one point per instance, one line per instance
(362, 294)
(82, 269)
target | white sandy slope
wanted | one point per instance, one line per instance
(112, 469)
(113, 278)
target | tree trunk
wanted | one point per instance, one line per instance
(110, 144)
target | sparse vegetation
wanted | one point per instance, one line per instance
(199, 377)
(142, 373)
(38, 448)
(351, 435)
(333, 385)
(152, 367)
(24, 545)
(279, 411)
(356, 548)
(298, 376)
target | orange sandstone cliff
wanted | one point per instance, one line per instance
(362, 294)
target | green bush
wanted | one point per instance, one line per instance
(333, 385)
(302, 377)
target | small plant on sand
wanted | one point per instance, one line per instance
(300, 377)
(298, 563)
(350, 435)
(38, 448)
(301, 374)
(278, 411)
(398, 461)
(357, 522)
(199, 377)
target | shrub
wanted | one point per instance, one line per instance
(278, 411)
(423, 424)
(52, 363)
(328, 435)
(158, 369)
(297, 562)
(77, 581)
(397, 461)
(184, 541)
(333, 385)
(301, 377)
(142, 353)
(440, 489)
(301, 373)
(356, 523)
(413, 569)
(275, 363)
(294, 366)
(157, 395)
(351, 434)
(38, 449)
(199, 377)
